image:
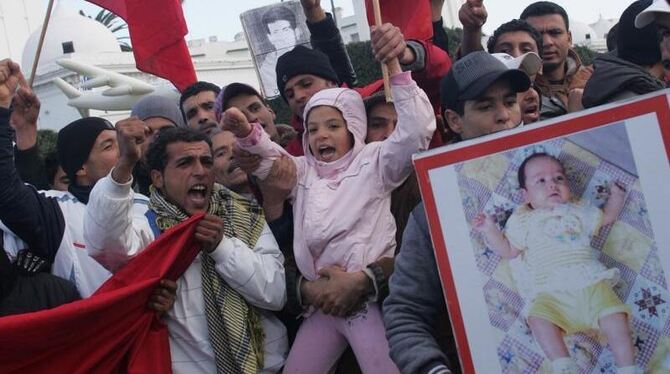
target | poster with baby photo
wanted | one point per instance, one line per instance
(552, 242)
(272, 31)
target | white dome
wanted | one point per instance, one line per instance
(86, 35)
(582, 34)
(603, 26)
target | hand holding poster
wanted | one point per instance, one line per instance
(272, 31)
(551, 245)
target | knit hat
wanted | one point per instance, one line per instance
(75, 142)
(639, 46)
(649, 14)
(158, 106)
(470, 76)
(303, 60)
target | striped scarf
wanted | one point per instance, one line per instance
(234, 326)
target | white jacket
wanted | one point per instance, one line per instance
(114, 235)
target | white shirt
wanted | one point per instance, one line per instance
(113, 237)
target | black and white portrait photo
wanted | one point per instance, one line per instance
(272, 31)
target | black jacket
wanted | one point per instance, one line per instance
(24, 293)
(616, 79)
(33, 217)
(326, 38)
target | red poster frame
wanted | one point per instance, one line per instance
(657, 104)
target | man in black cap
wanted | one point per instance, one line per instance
(51, 222)
(479, 97)
(634, 68)
(301, 73)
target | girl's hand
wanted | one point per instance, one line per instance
(236, 122)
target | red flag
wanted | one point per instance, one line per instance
(413, 17)
(112, 331)
(157, 29)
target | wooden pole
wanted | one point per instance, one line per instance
(47, 16)
(385, 69)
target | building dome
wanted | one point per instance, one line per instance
(582, 34)
(603, 26)
(68, 32)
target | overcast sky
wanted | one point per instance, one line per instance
(221, 18)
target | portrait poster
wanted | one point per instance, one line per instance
(495, 291)
(272, 31)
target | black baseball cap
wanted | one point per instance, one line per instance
(473, 74)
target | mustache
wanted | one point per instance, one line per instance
(234, 164)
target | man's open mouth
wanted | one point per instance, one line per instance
(198, 194)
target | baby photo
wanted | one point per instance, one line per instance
(565, 247)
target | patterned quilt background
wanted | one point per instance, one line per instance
(490, 185)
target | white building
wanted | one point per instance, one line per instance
(594, 35)
(585, 35)
(353, 28)
(72, 36)
(603, 26)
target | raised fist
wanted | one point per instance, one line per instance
(473, 14)
(236, 122)
(131, 133)
(10, 79)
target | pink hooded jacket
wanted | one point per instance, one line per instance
(341, 209)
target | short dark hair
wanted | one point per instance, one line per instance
(278, 13)
(545, 8)
(195, 89)
(514, 26)
(157, 156)
(234, 90)
(521, 174)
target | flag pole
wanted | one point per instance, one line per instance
(47, 16)
(385, 69)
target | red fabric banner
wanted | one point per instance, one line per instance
(113, 331)
(157, 29)
(414, 18)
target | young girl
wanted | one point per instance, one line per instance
(341, 208)
(572, 290)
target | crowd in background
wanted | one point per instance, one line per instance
(316, 255)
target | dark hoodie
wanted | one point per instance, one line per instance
(616, 79)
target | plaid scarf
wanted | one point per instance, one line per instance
(234, 326)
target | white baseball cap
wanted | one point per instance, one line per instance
(530, 62)
(648, 15)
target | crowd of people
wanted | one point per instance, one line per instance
(315, 250)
